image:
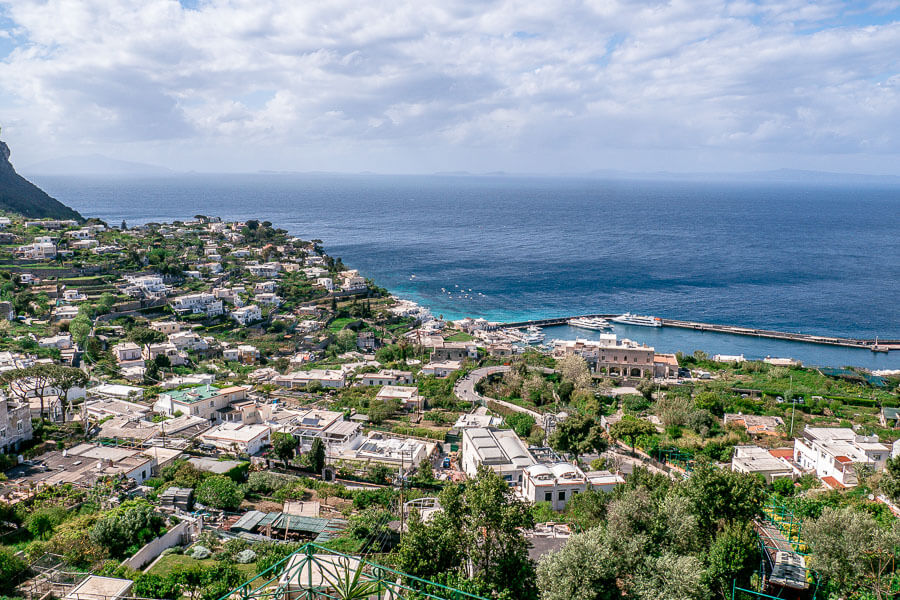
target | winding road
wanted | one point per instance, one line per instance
(465, 391)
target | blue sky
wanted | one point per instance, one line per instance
(418, 86)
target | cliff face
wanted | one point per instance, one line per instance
(19, 195)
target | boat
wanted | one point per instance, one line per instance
(533, 335)
(595, 323)
(642, 320)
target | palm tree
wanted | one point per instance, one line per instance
(348, 583)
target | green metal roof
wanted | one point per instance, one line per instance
(194, 394)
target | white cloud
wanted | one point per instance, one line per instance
(400, 86)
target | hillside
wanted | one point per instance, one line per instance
(19, 195)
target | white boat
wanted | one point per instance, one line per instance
(595, 323)
(642, 320)
(533, 335)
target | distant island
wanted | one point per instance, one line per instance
(18, 195)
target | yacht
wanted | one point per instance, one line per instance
(595, 323)
(533, 335)
(644, 321)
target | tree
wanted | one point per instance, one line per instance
(890, 479)
(853, 553)
(35, 380)
(588, 509)
(583, 569)
(317, 455)
(220, 492)
(144, 335)
(733, 555)
(11, 566)
(578, 434)
(723, 495)
(631, 428)
(521, 423)
(574, 369)
(66, 378)
(670, 576)
(284, 445)
(80, 327)
(478, 536)
(125, 529)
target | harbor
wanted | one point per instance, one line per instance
(874, 345)
(753, 344)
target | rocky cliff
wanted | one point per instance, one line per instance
(19, 195)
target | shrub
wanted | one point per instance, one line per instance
(220, 492)
(200, 552)
(245, 557)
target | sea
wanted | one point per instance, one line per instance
(799, 257)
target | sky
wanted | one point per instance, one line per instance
(417, 86)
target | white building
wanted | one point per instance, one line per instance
(558, 483)
(246, 314)
(42, 248)
(146, 286)
(408, 397)
(500, 450)
(201, 401)
(753, 460)
(836, 453)
(166, 327)
(441, 369)
(128, 354)
(387, 377)
(202, 303)
(248, 439)
(328, 378)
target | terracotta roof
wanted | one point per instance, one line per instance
(782, 452)
(833, 483)
(843, 459)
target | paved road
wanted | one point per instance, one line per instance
(465, 391)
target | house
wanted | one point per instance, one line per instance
(610, 356)
(200, 401)
(188, 340)
(61, 342)
(245, 353)
(403, 454)
(387, 377)
(128, 354)
(95, 587)
(265, 287)
(307, 425)
(102, 407)
(15, 424)
(167, 349)
(469, 420)
(202, 303)
(729, 358)
(501, 450)
(267, 299)
(73, 296)
(65, 312)
(325, 282)
(83, 465)
(246, 439)
(325, 377)
(267, 270)
(835, 454)
(166, 327)
(665, 365)
(145, 286)
(453, 351)
(247, 314)
(771, 464)
(408, 397)
(42, 248)
(557, 483)
(441, 369)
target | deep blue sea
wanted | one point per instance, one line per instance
(792, 257)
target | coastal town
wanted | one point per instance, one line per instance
(206, 408)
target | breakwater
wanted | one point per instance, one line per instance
(876, 345)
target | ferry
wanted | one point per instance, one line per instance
(643, 321)
(533, 335)
(595, 323)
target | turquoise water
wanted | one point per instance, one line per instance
(814, 259)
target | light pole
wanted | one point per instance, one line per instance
(793, 405)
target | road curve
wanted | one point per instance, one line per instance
(465, 391)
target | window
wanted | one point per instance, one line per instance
(562, 496)
(548, 496)
(212, 403)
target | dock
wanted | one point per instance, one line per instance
(875, 345)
